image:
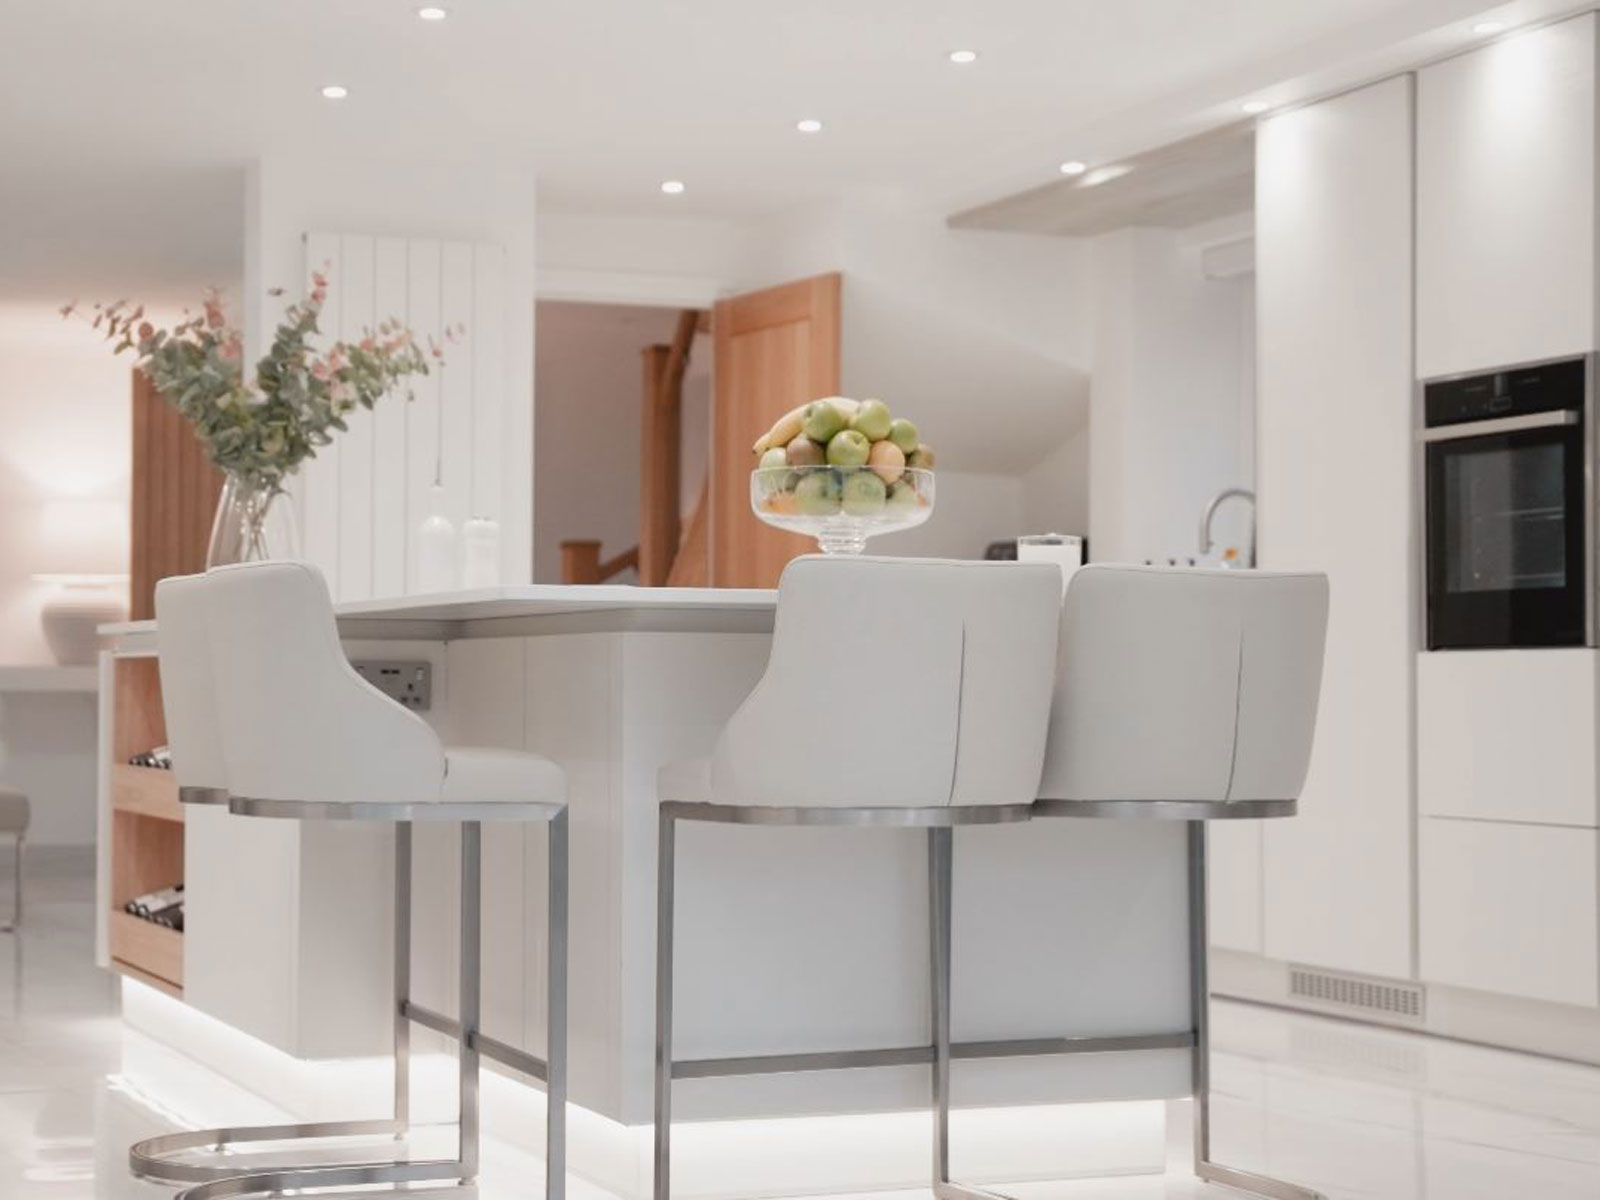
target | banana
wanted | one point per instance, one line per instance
(783, 432)
(788, 426)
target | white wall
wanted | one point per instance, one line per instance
(589, 380)
(1055, 491)
(65, 452)
(471, 202)
(1173, 389)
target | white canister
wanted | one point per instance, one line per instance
(437, 569)
(480, 553)
(1063, 549)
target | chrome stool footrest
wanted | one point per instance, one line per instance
(939, 826)
(347, 1176)
(150, 1159)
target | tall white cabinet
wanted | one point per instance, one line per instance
(1509, 826)
(1334, 274)
(1506, 202)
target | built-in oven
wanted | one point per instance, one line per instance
(1509, 540)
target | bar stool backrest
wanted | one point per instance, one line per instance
(297, 722)
(1185, 684)
(188, 695)
(895, 682)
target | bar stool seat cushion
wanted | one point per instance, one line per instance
(898, 683)
(479, 776)
(685, 782)
(14, 811)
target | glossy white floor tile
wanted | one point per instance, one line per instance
(1362, 1114)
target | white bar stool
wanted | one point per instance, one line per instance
(256, 667)
(974, 644)
(1184, 695)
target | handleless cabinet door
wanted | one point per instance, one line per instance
(1333, 275)
(1506, 202)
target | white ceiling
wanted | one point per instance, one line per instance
(124, 126)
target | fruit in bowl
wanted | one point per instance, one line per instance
(842, 470)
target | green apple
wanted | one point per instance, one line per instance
(902, 495)
(849, 449)
(872, 419)
(823, 419)
(864, 494)
(803, 452)
(817, 494)
(777, 457)
(903, 434)
(920, 459)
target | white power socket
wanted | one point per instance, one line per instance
(410, 683)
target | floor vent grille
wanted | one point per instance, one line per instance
(1403, 1001)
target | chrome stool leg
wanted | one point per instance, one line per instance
(15, 923)
(555, 1071)
(402, 978)
(151, 1158)
(665, 854)
(218, 1182)
(941, 878)
(1200, 999)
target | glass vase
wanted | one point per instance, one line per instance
(253, 523)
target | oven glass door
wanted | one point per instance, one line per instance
(1505, 544)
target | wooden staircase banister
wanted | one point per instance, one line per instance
(581, 562)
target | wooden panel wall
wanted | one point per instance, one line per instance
(361, 499)
(175, 491)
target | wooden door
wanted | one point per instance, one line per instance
(774, 349)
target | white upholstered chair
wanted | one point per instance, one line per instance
(304, 737)
(188, 694)
(972, 646)
(1187, 695)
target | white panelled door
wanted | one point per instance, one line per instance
(362, 498)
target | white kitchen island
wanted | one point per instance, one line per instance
(788, 940)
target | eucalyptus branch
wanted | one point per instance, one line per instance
(260, 431)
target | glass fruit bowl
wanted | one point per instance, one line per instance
(842, 506)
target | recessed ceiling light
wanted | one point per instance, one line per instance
(962, 57)
(1074, 167)
(1488, 27)
(1105, 174)
(1254, 107)
(335, 91)
(432, 14)
(673, 187)
(809, 125)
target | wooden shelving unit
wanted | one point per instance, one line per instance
(146, 828)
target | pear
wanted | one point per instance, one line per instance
(887, 460)
(903, 434)
(921, 459)
(872, 419)
(803, 452)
